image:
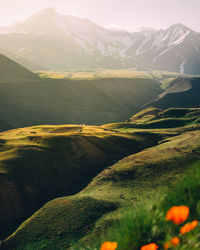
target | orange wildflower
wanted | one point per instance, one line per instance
(188, 227)
(151, 246)
(185, 229)
(178, 214)
(193, 224)
(109, 245)
(166, 245)
(172, 243)
(175, 241)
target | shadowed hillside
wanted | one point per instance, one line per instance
(181, 92)
(11, 71)
(50, 101)
(25, 101)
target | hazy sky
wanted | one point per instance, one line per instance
(128, 14)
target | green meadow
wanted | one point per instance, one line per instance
(112, 181)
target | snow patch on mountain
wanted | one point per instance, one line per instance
(181, 38)
(162, 53)
(141, 49)
(182, 71)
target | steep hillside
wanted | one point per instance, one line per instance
(160, 120)
(40, 163)
(181, 92)
(4, 125)
(67, 42)
(119, 187)
(169, 118)
(11, 71)
(49, 101)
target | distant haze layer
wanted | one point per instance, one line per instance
(125, 14)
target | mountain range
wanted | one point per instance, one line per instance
(50, 41)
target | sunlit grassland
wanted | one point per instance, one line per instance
(157, 119)
(45, 162)
(122, 186)
(164, 77)
(112, 169)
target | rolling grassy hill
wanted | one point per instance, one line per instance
(11, 71)
(134, 178)
(154, 118)
(158, 155)
(40, 163)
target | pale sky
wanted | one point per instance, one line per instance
(127, 14)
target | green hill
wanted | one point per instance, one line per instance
(95, 98)
(40, 163)
(130, 166)
(50, 101)
(134, 178)
(154, 118)
(11, 71)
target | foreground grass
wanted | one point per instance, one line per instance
(146, 222)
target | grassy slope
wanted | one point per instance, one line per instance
(40, 163)
(154, 118)
(137, 177)
(146, 222)
(85, 97)
(180, 93)
(48, 101)
(11, 71)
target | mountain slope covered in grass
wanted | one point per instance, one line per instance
(162, 154)
(40, 163)
(63, 101)
(134, 178)
(11, 71)
(27, 100)
(181, 92)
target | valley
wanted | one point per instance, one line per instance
(93, 99)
